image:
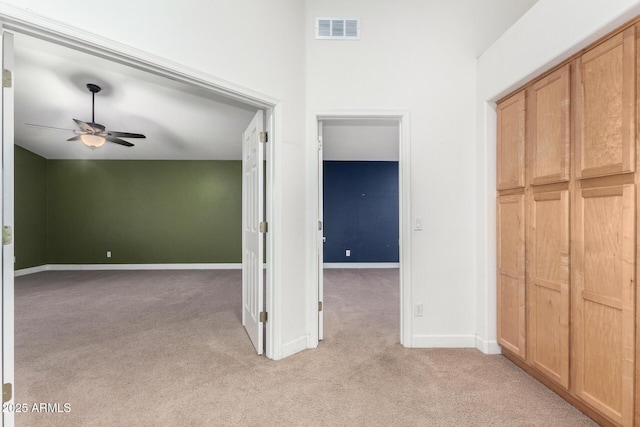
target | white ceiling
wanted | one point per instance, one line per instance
(179, 121)
(360, 139)
(494, 17)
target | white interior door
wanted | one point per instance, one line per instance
(321, 239)
(7, 221)
(252, 238)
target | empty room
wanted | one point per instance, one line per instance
(165, 211)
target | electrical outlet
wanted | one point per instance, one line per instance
(418, 310)
(108, 254)
(347, 252)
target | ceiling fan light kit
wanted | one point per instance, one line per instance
(93, 141)
(93, 134)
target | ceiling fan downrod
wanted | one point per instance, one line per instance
(93, 88)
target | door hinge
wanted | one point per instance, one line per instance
(264, 317)
(264, 137)
(7, 392)
(7, 79)
(319, 225)
(264, 227)
(7, 235)
(319, 305)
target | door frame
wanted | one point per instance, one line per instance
(7, 187)
(22, 21)
(404, 171)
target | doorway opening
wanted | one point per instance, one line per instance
(204, 87)
(39, 129)
(363, 207)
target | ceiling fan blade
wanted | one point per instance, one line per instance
(37, 126)
(74, 138)
(126, 134)
(83, 125)
(119, 141)
(89, 127)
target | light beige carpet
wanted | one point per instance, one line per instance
(166, 348)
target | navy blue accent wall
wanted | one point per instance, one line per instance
(361, 211)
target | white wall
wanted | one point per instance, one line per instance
(418, 56)
(251, 43)
(362, 140)
(550, 32)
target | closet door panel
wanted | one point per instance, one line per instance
(511, 136)
(604, 292)
(511, 271)
(606, 142)
(548, 295)
(549, 125)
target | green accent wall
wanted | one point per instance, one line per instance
(30, 209)
(144, 211)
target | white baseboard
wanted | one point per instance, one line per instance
(294, 346)
(488, 347)
(443, 341)
(83, 267)
(30, 270)
(361, 265)
(185, 266)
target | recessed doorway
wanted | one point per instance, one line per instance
(363, 195)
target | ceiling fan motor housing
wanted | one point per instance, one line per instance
(93, 88)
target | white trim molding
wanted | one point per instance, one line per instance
(33, 24)
(488, 347)
(30, 270)
(295, 346)
(87, 267)
(443, 341)
(332, 265)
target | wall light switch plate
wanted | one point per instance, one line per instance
(347, 252)
(419, 223)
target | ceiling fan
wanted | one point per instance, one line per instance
(93, 134)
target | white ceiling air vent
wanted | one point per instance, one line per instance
(338, 28)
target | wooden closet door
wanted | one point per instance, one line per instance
(603, 299)
(548, 285)
(511, 271)
(549, 126)
(511, 134)
(606, 108)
